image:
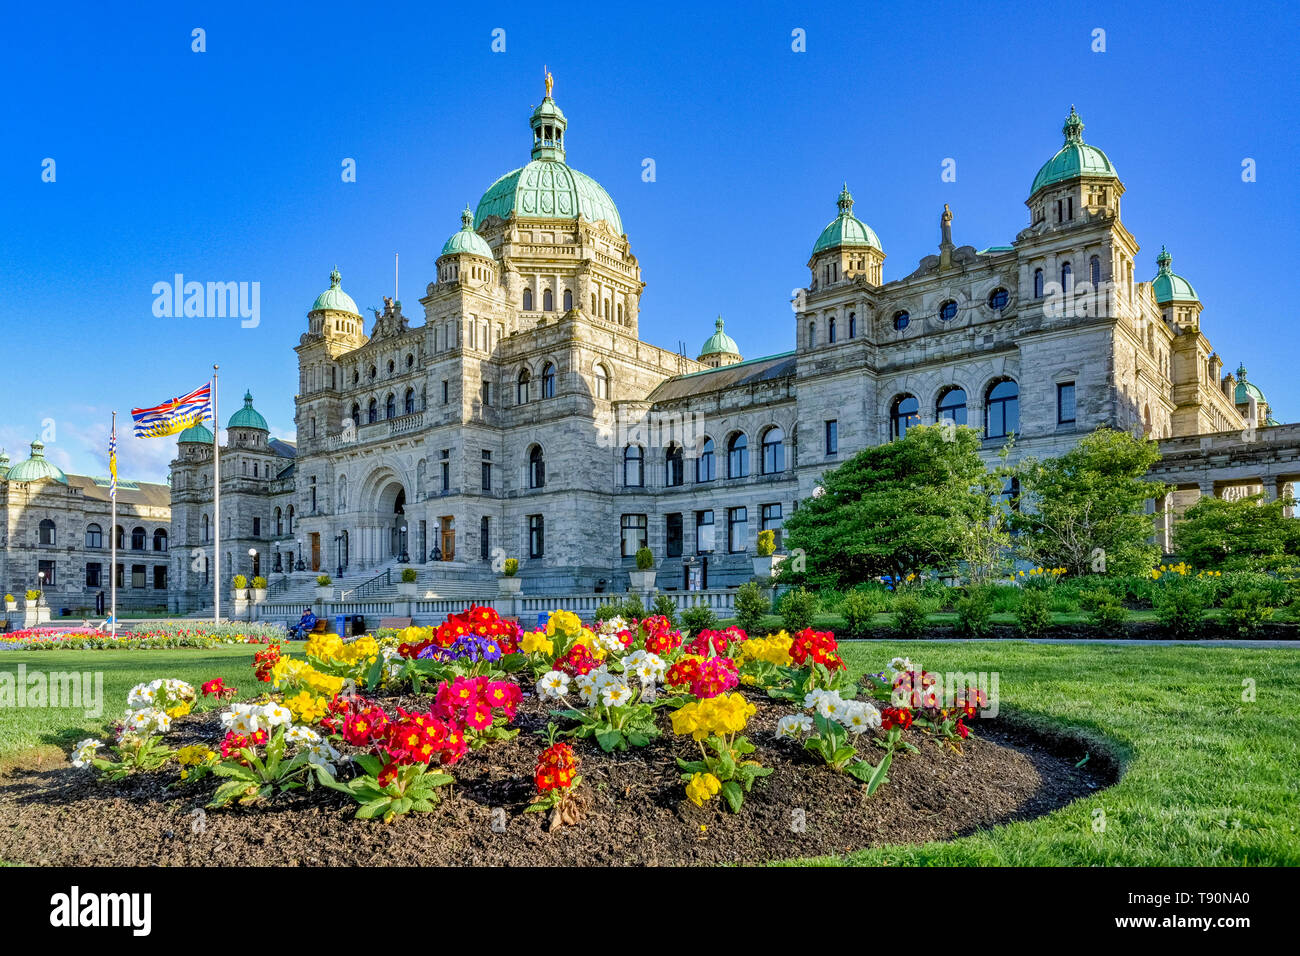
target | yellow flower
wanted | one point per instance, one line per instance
(536, 642)
(702, 787)
(306, 708)
(193, 755)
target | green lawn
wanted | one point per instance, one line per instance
(1208, 778)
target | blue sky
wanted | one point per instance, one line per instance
(225, 166)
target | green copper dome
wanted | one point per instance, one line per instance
(1169, 285)
(1076, 158)
(199, 433)
(334, 298)
(846, 229)
(246, 417)
(547, 188)
(719, 342)
(37, 468)
(1247, 390)
(466, 241)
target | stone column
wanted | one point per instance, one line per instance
(1206, 486)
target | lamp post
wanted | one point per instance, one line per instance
(300, 566)
(338, 552)
(404, 557)
(40, 583)
(252, 561)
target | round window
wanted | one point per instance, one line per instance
(998, 299)
(948, 311)
(900, 321)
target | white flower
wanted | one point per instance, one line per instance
(301, 735)
(84, 752)
(831, 706)
(588, 692)
(793, 725)
(612, 626)
(241, 719)
(322, 754)
(553, 684)
(860, 716)
(610, 643)
(615, 695)
(141, 696)
(276, 714)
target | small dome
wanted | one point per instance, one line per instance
(846, 229)
(1168, 285)
(1247, 390)
(466, 241)
(196, 433)
(1073, 160)
(37, 468)
(334, 298)
(246, 417)
(719, 343)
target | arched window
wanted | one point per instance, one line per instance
(952, 406)
(620, 313)
(853, 325)
(602, 381)
(290, 529)
(408, 402)
(830, 332)
(45, 533)
(410, 360)
(812, 334)
(773, 451)
(568, 300)
(705, 465)
(1094, 270)
(536, 468)
(901, 320)
(1038, 283)
(279, 522)
(528, 300)
(521, 388)
(356, 414)
(206, 529)
(137, 539)
(633, 467)
(1067, 277)
(903, 414)
(94, 536)
(391, 366)
(593, 303)
(372, 412)
(160, 540)
(390, 406)
(1002, 409)
(738, 456)
(548, 301)
(548, 380)
(674, 466)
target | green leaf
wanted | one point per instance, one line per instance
(879, 776)
(734, 795)
(375, 673)
(370, 764)
(637, 739)
(373, 809)
(611, 740)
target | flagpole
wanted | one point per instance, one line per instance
(216, 504)
(112, 533)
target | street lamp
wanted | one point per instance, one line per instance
(300, 566)
(338, 552)
(252, 556)
(404, 557)
(40, 582)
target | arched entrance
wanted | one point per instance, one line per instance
(379, 514)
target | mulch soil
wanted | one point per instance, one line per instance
(636, 813)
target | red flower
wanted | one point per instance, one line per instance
(819, 647)
(265, 660)
(892, 717)
(556, 766)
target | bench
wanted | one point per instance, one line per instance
(319, 626)
(395, 622)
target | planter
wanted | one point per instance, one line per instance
(642, 580)
(259, 595)
(324, 593)
(407, 589)
(239, 595)
(768, 567)
(510, 585)
(11, 605)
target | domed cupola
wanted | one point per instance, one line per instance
(847, 247)
(37, 467)
(1079, 180)
(334, 299)
(720, 348)
(1168, 285)
(247, 417)
(548, 188)
(466, 242)
(1074, 159)
(196, 434)
(1247, 390)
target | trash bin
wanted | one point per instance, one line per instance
(341, 625)
(358, 624)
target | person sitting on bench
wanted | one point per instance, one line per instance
(306, 624)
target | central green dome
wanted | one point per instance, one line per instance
(846, 229)
(1076, 158)
(547, 187)
(37, 468)
(248, 416)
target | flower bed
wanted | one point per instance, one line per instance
(637, 744)
(167, 636)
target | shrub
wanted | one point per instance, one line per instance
(665, 607)
(33, 595)
(766, 543)
(1104, 609)
(1005, 597)
(239, 582)
(9, 599)
(858, 609)
(511, 567)
(645, 559)
(975, 613)
(408, 575)
(1276, 591)
(909, 615)
(797, 607)
(699, 618)
(632, 608)
(322, 580)
(259, 583)
(608, 610)
(1181, 606)
(1034, 614)
(752, 605)
(1247, 609)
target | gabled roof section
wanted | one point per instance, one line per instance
(738, 375)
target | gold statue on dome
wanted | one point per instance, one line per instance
(550, 81)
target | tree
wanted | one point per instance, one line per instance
(895, 509)
(1245, 535)
(1085, 511)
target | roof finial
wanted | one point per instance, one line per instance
(1165, 261)
(550, 81)
(1073, 128)
(1241, 372)
(718, 324)
(467, 218)
(845, 202)
(335, 278)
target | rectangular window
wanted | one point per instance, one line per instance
(673, 535)
(160, 577)
(536, 536)
(47, 574)
(445, 467)
(487, 393)
(633, 534)
(120, 569)
(137, 575)
(1065, 403)
(94, 575)
(446, 390)
(737, 529)
(704, 532)
(833, 437)
(487, 470)
(484, 538)
(257, 527)
(773, 521)
(312, 483)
